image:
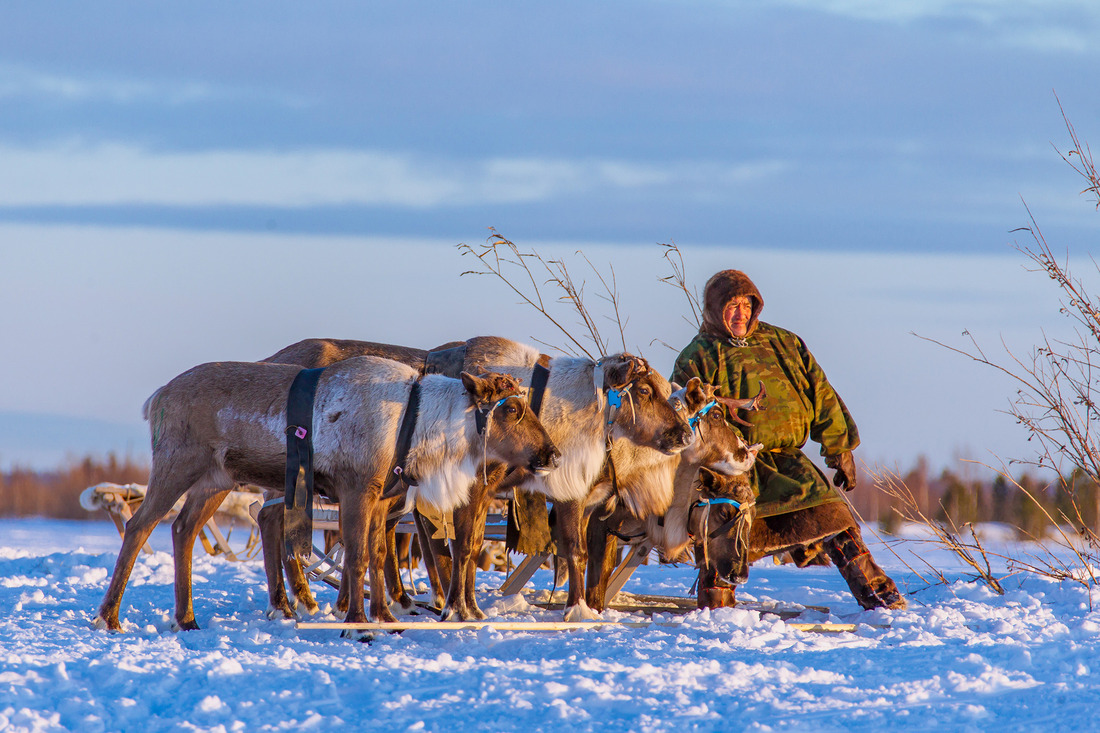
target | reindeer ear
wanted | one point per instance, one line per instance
(478, 388)
(695, 394)
(706, 478)
(618, 370)
(676, 386)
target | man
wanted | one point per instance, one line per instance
(797, 510)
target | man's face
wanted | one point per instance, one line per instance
(737, 314)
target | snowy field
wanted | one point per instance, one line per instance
(960, 658)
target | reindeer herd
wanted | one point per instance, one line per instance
(618, 451)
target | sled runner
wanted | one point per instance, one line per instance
(833, 628)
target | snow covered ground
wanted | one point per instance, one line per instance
(960, 658)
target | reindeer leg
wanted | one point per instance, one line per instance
(163, 492)
(569, 531)
(602, 548)
(270, 520)
(392, 567)
(477, 538)
(342, 596)
(355, 520)
(465, 519)
(376, 559)
(197, 510)
(295, 573)
(437, 558)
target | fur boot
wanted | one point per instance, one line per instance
(867, 581)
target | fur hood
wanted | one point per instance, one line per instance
(720, 289)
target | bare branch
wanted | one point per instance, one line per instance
(493, 264)
(678, 280)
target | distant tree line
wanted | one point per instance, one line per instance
(56, 493)
(957, 497)
(953, 496)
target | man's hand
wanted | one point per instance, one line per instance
(845, 467)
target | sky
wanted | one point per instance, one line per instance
(181, 184)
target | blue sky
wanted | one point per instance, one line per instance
(172, 174)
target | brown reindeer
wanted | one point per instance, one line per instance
(200, 506)
(719, 523)
(220, 425)
(650, 499)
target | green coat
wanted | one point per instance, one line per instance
(801, 405)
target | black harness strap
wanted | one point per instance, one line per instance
(298, 496)
(626, 537)
(539, 378)
(399, 479)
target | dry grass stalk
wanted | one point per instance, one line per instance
(945, 534)
(499, 253)
(1048, 563)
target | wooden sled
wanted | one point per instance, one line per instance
(120, 501)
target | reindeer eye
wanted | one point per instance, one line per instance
(644, 392)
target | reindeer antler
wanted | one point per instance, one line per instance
(749, 403)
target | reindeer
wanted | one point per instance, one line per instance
(653, 500)
(220, 425)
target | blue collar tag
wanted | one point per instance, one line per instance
(721, 500)
(706, 408)
(615, 397)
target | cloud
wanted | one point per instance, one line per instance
(18, 81)
(75, 174)
(1046, 25)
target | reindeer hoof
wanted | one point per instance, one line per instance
(99, 622)
(307, 612)
(402, 605)
(278, 612)
(189, 625)
(361, 635)
(580, 612)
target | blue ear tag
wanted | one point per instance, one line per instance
(615, 397)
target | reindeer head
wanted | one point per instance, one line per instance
(638, 407)
(716, 443)
(719, 524)
(512, 432)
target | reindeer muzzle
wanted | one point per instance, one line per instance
(676, 438)
(546, 461)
